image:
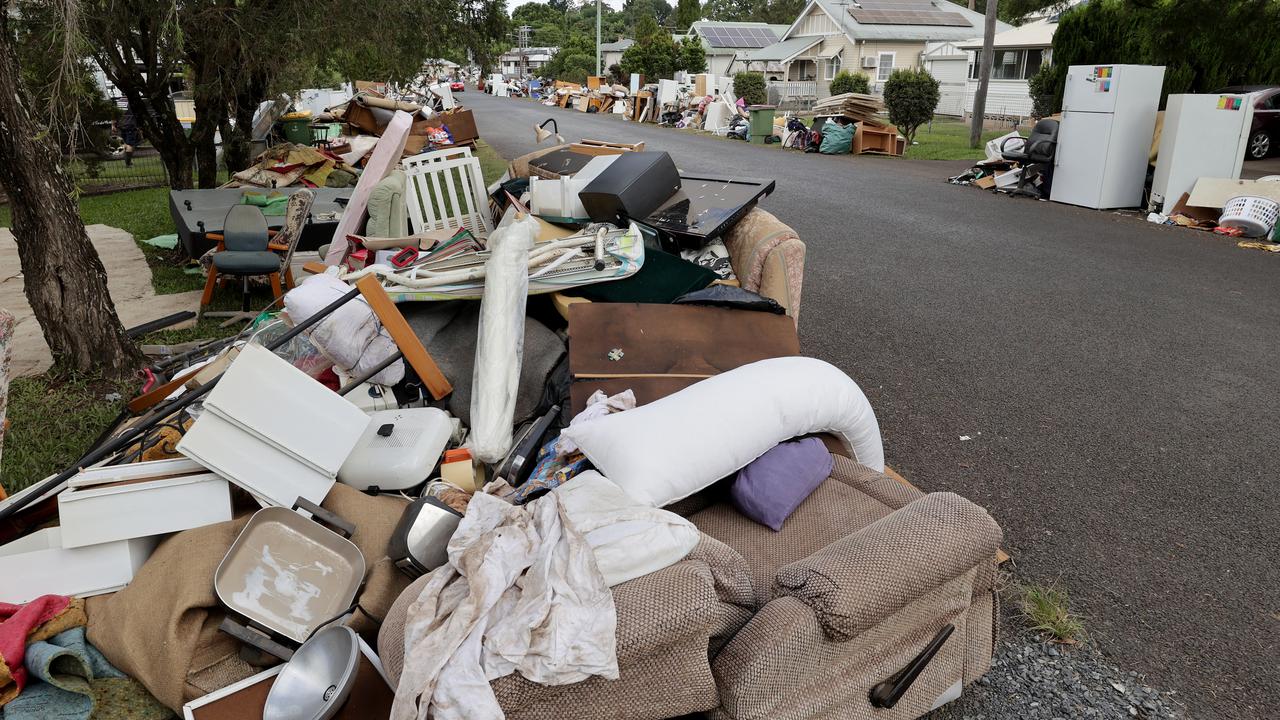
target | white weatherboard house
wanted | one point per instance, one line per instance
(611, 52)
(875, 37)
(1017, 55)
(517, 63)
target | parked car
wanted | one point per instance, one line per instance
(457, 86)
(1264, 134)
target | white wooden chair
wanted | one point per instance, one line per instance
(444, 189)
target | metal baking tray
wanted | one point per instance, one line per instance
(288, 575)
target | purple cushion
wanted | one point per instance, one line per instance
(773, 485)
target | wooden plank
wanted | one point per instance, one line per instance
(646, 390)
(666, 348)
(156, 395)
(414, 353)
(1002, 557)
(673, 339)
(637, 147)
(385, 156)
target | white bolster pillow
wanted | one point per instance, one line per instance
(672, 448)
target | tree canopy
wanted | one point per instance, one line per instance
(233, 54)
(655, 54)
(1185, 36)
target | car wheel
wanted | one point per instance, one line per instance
(1259, 145)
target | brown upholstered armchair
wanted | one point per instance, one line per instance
(768, 258)
(801, 623)
(864, 576)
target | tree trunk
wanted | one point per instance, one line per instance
(209, 114)
(62, 276)
(984, 76)
(237, 147)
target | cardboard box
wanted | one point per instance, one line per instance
(461, 125)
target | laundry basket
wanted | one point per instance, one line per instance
(1255, 215)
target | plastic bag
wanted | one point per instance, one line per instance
(299, 351)
(500, 341)
(837, 139)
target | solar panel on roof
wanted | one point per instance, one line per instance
(739, 37)
(906, 14)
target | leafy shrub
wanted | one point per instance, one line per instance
(847, 82)
(1041, 88)
(693, 57)
(911, 96)
(750, 87)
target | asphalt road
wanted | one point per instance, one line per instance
(1119, 382)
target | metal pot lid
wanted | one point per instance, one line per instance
(316, 682)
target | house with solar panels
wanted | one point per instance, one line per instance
(724, 41)
(875, 37)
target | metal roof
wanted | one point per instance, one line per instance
(1033, 34)
(782, 51)
(841, 11)
(617, 46)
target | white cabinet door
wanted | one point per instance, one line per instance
(1081, 159)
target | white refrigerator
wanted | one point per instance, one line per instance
(1104, 140)
(1202, 136)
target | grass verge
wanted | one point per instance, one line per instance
(948, 140)
(1047, 611)
(52, 422)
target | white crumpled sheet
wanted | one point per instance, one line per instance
(521, 592)
(352, 337)
(598, 405)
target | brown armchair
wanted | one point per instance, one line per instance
(860, 580)
(800, 623)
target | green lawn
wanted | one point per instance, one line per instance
(948, 140)
(52, 421)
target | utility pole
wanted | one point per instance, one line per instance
(597, 38)
(984, 76)
(522, 40)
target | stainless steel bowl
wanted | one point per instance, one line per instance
(314, 684)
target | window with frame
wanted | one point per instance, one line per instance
(833, 67)
(1011, 64)
(884, 65)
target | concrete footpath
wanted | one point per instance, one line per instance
(128, 279)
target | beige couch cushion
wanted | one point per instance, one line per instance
(852, 498)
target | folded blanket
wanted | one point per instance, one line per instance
(21, 625)
(78, 684)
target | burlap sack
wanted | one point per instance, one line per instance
(163, 628)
